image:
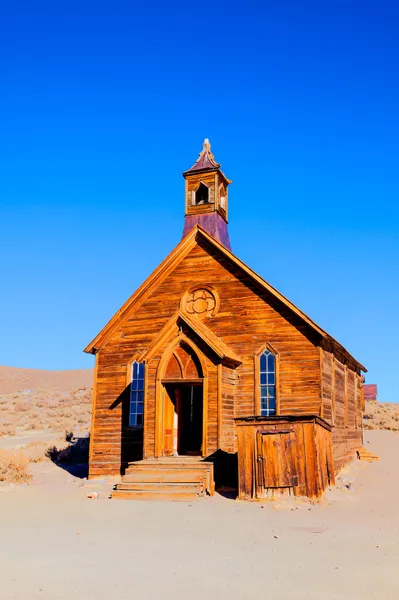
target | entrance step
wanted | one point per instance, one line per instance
(164, 476)
(155, 495)
(364, 454)
(171, 479)
(189, 488)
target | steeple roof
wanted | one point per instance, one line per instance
(206, 162)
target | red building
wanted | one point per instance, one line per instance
(370, 392)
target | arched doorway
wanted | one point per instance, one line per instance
(183, 395)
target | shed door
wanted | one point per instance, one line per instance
(277, 459)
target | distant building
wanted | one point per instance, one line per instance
(207, 363)
(370, 392)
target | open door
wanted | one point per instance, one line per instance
(183, 419)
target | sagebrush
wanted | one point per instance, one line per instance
(34, 410)
(14, 466)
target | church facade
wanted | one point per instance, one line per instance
(206, 348)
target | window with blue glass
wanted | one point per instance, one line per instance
(267, 383)
(136, 410)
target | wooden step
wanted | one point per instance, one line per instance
(364, 454)
(172, 466)
(164, 476)
(189, 488)
(159, 495)
(172, 479)
(172, 470)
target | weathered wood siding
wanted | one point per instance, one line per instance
(227, 439)
(209, 179)
(215, 184)
(278, 455)
(341, 389)
(248, 317)
(111, 439)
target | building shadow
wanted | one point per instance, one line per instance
(131, 437)
(73, 458)
(225, 465)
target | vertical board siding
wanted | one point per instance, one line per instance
(327, 374)
(347, 421)
(228, 442)
(284, 456)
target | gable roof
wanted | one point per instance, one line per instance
(222, 350)
(174, 258)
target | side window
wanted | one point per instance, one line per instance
(136, 409)
(267, 383)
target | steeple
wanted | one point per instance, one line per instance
(207, 196)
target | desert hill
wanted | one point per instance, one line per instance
(381, 415)
(14, 379)
(44, 402)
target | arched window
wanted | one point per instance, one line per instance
(267, 383)
(202, 194)
(136, 409)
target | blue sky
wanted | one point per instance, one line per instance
(103, 105)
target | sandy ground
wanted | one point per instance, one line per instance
(57, 544)
(14, 379)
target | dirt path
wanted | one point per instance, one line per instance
(56, 544)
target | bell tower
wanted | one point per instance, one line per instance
(207, 197)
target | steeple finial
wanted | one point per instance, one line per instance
(205, 160)
(206, 146)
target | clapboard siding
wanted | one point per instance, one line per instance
(248, 317)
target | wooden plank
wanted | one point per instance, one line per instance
(160, 496)
(279, 468)
(270, 460)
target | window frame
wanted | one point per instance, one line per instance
(208, 201)
(136, 387)
(266, 347)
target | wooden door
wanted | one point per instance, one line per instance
(277, 459)
(170, 433)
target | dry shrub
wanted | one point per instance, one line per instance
(14, 466)
(7, 430)
(76, 451)
(38, 410)
(36, 451)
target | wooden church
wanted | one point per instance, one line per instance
(209, 376)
